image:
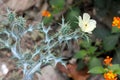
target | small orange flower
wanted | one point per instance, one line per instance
(110, 76)
(46, 13)
(116, 22)
(108, 60)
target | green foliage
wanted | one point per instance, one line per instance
(71, 17)
(101, 32)
(115, 68)
(47, 20)
(57, 5)
(110, 42)
(108, 39)
(85, 44)
(115, 30)
(116, 58)
(86, 49)
(93, 62)
(118, 72)
(97, 70)
(92, 49)
(87, 54)
(81, 54)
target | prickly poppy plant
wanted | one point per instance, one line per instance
(15, 29)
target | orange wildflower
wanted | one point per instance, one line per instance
(46, 13)
(110, 76)
(108, 60)
(116, 22)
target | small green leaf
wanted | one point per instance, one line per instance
(116, 58)
(115, 30)
(85, 44)
(117, 72)
(97, 70)
(94, 62)
(110, 42)
(47, 20)
(114, 67)
(101, 32)
(81, 54)
(92, 49)
(57, 5)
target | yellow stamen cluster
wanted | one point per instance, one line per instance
(107, 61)
(116, 22)
(110, 76)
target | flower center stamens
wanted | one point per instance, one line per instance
(85, 25)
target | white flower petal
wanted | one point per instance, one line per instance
(92, 21)
(86, 17)
(91, 26)
(80, 21)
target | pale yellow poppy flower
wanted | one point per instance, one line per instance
(86, 24)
